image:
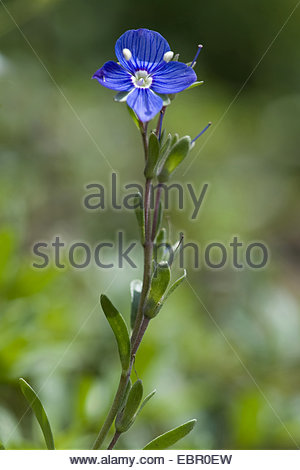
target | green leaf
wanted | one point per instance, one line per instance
(162, 250)
(145, 401)
(171, 437)
(161, 236)
(176, 284)
(166, 146)
(162, 137)
(159, 284)
(135, 293)
(153, 153)
(120, 330)
(164, 149)
(134, 117)
(174, 139)
(140, 216)
(194, 85)
(39, 412)
(126, 418)
(126, 393)
(177, 154)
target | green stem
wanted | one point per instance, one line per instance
(113, 411)
(136, 345)
(141, 322)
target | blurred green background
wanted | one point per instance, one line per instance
(233, 364)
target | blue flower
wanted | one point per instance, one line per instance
(144, 71)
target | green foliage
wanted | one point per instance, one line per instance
(159, 284)
(39, 412)
(120, 330)
(127, 416)
(179, 151)
(146, 400)
(176, 284)
(153, 153)
(135, 294)
(133, 117)
(166, 440)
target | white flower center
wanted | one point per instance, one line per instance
(141, 79)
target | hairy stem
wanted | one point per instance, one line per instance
(148, 249)
(156, 211)
(141, 321)
(114, 440)
(136, 345)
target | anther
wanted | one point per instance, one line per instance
(127, 54)
(168, 56)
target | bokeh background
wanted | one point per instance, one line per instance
(229, 357)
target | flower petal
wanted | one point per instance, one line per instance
(144, 103)
(173, 77)
(113, 76)
(147, 48)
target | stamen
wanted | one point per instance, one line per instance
(127, 54)
(196, 56)
(202, 132)
(168, 56)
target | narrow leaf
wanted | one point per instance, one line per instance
(161, 236)
(126, 418)
(120, 330)
(164, 441)
(145, 401)
(164, 149)
(153, 153)
(166, 146)
(133, 117)
(174, 139)
(135, 293)
(39, 412)
(194, 85)
(177, 154)
(176, 284)
(159, 284)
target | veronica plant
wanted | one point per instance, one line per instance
(147, 78)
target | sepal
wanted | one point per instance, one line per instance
(135, 294)
(159, 284)
(127, 416)
(177, 154)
